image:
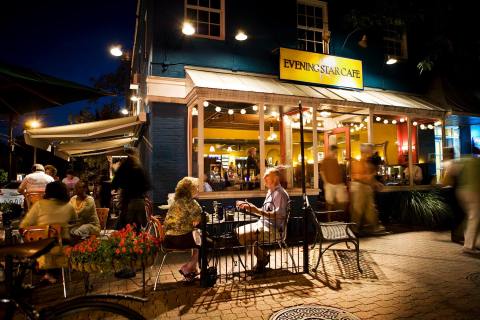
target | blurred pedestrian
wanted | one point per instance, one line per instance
(363, 185)
(332, 175)
(133, 183)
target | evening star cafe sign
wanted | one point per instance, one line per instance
(319, 68)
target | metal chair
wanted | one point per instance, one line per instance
(334, 232)
(36, 233)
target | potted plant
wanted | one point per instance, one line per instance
(88, 255)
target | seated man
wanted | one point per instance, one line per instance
(272, 218)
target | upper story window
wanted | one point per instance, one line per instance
(395, 42)
(207, 17)
(312, 25)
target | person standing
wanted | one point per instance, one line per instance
(333, 183)
(70, 181)
(34, 182)
(133, 183)
(363, 185)
(252, 168)
(52, 172)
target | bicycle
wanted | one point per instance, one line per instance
(15, 296)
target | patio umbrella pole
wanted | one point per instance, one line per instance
(304, 193)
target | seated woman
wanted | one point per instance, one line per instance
(53, 209)
(84, 206)
(182, 217)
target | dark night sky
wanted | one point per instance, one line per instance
(67, 39)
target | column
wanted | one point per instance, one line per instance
(201, 135)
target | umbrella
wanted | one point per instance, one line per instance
(23, 90)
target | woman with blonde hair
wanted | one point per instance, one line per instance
(182, 218)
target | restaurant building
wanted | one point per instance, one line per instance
(232, 80)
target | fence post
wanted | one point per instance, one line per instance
(203, 250)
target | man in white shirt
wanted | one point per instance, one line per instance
(35, 182)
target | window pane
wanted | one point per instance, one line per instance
(204, 3)
(215, 4)
(215, 17)
(310, 46)
(230, 162)
(214, 30)
(318, 12)
(310, 11)
(318, 36)
(302, 45)
(194, 146)
(310, 35)
(301, 9)
(319, 23)
(310, 22)
(192, 2)
(301, 34)
(203, 28)
(203, 16)
(191, 14)
(428, 150)
(302, 20)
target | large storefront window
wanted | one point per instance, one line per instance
(428, 151)
(231, 147)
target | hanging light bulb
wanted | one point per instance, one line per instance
(230, 111)
(378, 119)
(352, 130)
(205, 104)
(422, 126)
(243, 111)
(366, 119)
(194, 112)
(255, 107)
(229, 149)
(212, 149)
(394, 121)
(385, 121)
(218, 109)
(402, 120)
(430, 126)
(415, 123)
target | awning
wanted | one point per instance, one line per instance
(83, 139)
(264, 87)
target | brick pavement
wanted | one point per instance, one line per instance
(413, 275)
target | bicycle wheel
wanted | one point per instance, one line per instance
(88, 309)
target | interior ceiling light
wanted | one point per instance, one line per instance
(254, 107)
(230, 111)
(218, 109)
(212, 149)
(188, 29)
(325, 114)
(205, 104)
(378, 119)
(429, 126)
(194, 112)
(241, 36)
(243, 111)
(394, 121)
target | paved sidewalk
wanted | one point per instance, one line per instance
(414, 275)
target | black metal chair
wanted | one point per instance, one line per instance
(333, 232)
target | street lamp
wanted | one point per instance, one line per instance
(116, 50)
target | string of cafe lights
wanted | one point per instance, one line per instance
(230, 111)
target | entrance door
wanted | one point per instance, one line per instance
(341, 138)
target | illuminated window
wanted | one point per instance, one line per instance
(395, 42)
(207, 17)
(312, 24)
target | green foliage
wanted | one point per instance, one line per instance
(427, 209)
(3, 176)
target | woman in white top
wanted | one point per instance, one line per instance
(70, 181)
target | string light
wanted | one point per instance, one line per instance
(378, 119)
(437, 123)
(394, 121)
(415, 123)
(429, 126)
(205, 104)
(402, 120)
(243, 111)
(218, 109)
(212, 149)
(255, 107)
(230, 111)
(385, 121)
(422, 126)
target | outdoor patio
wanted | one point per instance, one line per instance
(411, 275)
